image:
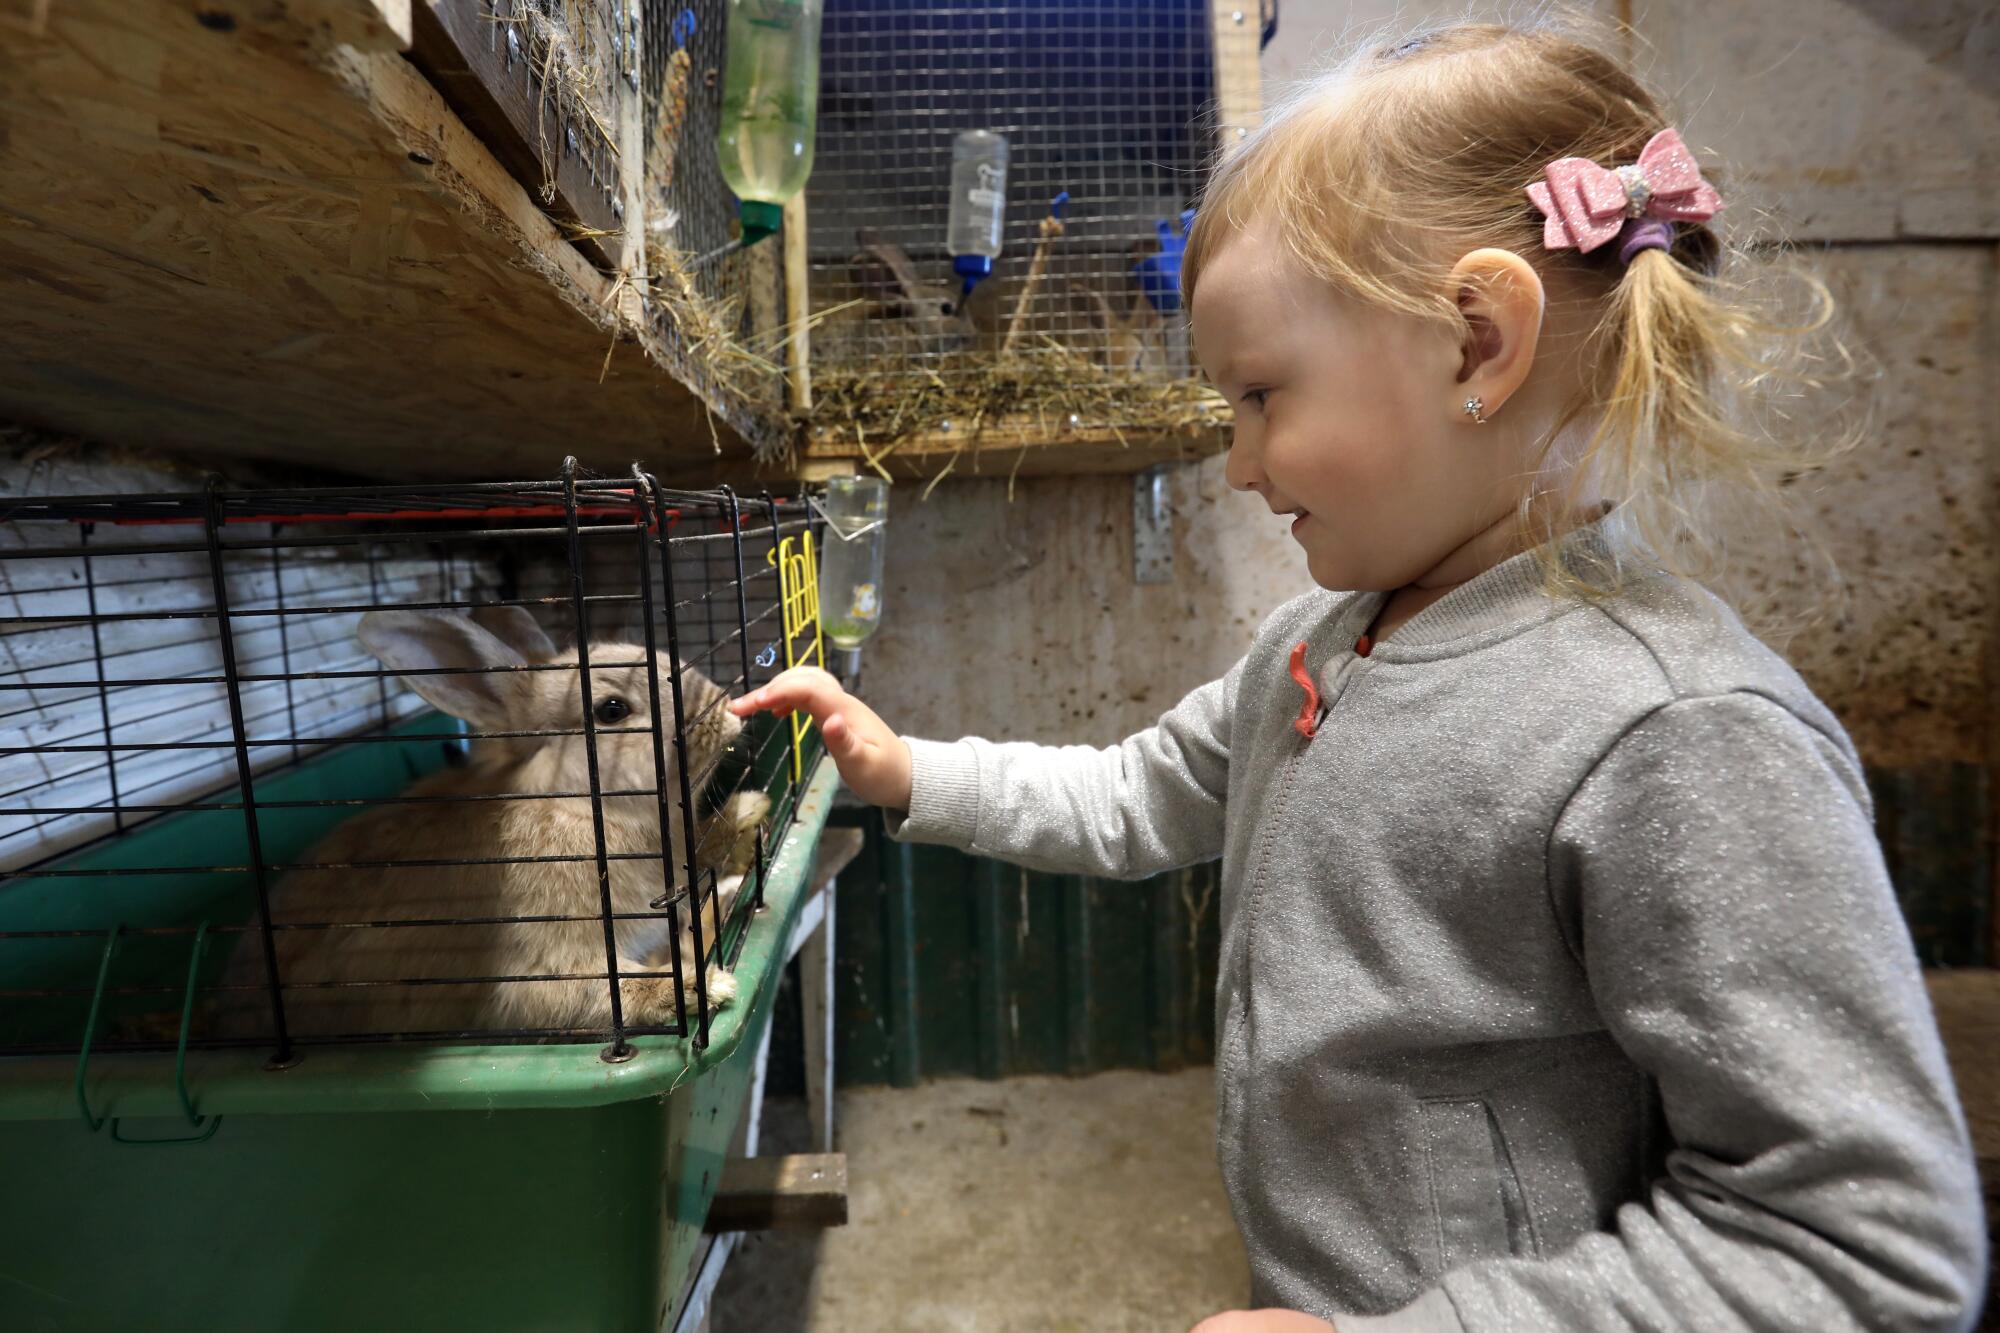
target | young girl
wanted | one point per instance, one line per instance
(1561, 986)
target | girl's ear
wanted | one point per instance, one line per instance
(431, 640)
(1501, 297)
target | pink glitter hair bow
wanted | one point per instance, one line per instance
(1586, 205)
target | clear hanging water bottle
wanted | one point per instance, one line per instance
(856, 510)
(770, 104)
(978, 203)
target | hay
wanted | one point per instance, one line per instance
(1034, 396)
(703, 333)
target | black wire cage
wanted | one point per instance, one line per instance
(297, 767)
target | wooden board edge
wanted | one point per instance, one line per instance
(1003, 453)
(1239, 93)
(793, 1192)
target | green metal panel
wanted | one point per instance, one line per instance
(1936, 830)
(949, 964)
(502, 1188)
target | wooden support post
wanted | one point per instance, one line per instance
(816, 995)
(805, 1191)
(798, 306)
(632, 134)
(1239, 91)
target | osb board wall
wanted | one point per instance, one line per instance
(1909, 517)
(221, 235)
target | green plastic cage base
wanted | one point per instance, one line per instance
(492, 1187)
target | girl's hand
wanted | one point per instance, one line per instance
(1263, 1321)
(873, 761)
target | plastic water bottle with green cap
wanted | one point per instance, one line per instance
(770, 101)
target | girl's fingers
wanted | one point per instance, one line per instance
(790, 691)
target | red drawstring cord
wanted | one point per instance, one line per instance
(1308, 719)
(1307, 722)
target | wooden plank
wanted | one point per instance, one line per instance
(1239, 94)
(248, 243)
(816, 996)
(801, 1191)
(1019, 448)
(481, 55)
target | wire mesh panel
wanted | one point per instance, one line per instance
(1104, 100)
(297, 767)
(717, 305)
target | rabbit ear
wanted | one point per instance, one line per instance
(513, 626)
(429, 640)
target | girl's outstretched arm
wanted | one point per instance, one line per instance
(1151, 803)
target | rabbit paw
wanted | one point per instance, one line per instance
(745, 810)
(721, 986)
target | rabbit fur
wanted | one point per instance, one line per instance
(505, 637)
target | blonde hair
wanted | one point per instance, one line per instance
(1381, 174)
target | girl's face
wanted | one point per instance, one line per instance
(1348, 418)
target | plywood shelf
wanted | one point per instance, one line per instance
(255, 230)
(1024, 449)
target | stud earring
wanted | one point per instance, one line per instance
(1473, 408)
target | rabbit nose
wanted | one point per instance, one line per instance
(732, 768)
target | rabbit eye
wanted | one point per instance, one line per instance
(613, 711)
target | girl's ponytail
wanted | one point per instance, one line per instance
(1701, 384)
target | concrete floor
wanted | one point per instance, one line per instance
(1032, 1204)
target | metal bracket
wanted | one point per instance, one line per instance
(1152, 528)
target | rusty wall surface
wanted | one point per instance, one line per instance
(1022, 621)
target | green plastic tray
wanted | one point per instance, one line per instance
(450, 1187)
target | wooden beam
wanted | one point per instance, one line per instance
(492, 74)
(1239, 90)
(631, 133)
(803, 1191)
(798, 306)
(1010, 449)
(248, 241)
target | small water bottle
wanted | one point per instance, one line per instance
(856, 510)
(978, 203)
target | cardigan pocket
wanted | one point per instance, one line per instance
(1476, 1197)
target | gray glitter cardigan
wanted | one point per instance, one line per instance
(1562, 985)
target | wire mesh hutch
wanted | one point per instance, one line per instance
(1111, 111)
(338, 818)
